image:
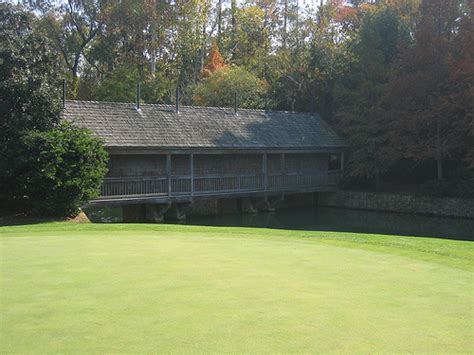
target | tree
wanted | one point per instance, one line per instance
(219, 89)
(214, 62)
(461, 79)
(251, 38)
(361, 97)
(430, 125)
(29, 85)
(72, 26)
(59, 170)
(121, 86)
(44, 167)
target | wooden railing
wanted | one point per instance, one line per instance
(123, 187)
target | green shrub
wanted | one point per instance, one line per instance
(58, 170)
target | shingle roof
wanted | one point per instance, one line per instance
(159, 126)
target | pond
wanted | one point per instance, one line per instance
(327, 219)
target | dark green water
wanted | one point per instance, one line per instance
(346, 220)
(328, 219)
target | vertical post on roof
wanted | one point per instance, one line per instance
(191, 171)
(235, 102)
(138, 95)
(265, 171)
(168, 172)
(313, 100)
(177, 99)
(64, 92)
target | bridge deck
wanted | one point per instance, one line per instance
(164, 189)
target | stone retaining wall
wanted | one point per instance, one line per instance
(435, 206)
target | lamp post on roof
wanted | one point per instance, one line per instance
(235, 102)
(177, 99)
(138, 95)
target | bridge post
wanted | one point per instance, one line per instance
(191, 172)
(282, 163)
(265, 171)
(168, 172)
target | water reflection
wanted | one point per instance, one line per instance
(325, 219)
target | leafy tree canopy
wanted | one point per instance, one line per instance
(122, 83)
(220, 88)
(29, 76)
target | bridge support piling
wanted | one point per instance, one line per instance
(247, 206)
(155, 213)
(175, 213)
(268, 204)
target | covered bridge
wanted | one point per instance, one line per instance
(163, 154)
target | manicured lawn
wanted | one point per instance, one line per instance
(162, 288)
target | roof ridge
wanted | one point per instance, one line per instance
(306, 113)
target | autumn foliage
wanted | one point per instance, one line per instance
(407, 99)
(214, 62)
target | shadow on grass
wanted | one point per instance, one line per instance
(25, 219)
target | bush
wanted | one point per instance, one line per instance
(58, 170)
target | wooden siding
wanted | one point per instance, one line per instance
(209, 164)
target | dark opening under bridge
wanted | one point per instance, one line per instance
(159, 154)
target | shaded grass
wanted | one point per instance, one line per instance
(143, 288)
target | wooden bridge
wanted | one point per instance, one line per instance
(164, 189)
(160, 154)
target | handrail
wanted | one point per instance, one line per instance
(214, 184)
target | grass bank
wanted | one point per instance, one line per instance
(142, 288)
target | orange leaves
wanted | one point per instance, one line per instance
(345, 14)
(214, 62)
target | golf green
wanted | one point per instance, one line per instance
(163, 288)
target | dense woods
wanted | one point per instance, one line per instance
(394, 77)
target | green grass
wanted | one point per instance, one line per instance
(161, 288)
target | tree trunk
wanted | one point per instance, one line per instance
(203, 48)
(219, 23)
(233, 10)
(285, 23)
(75, 79)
